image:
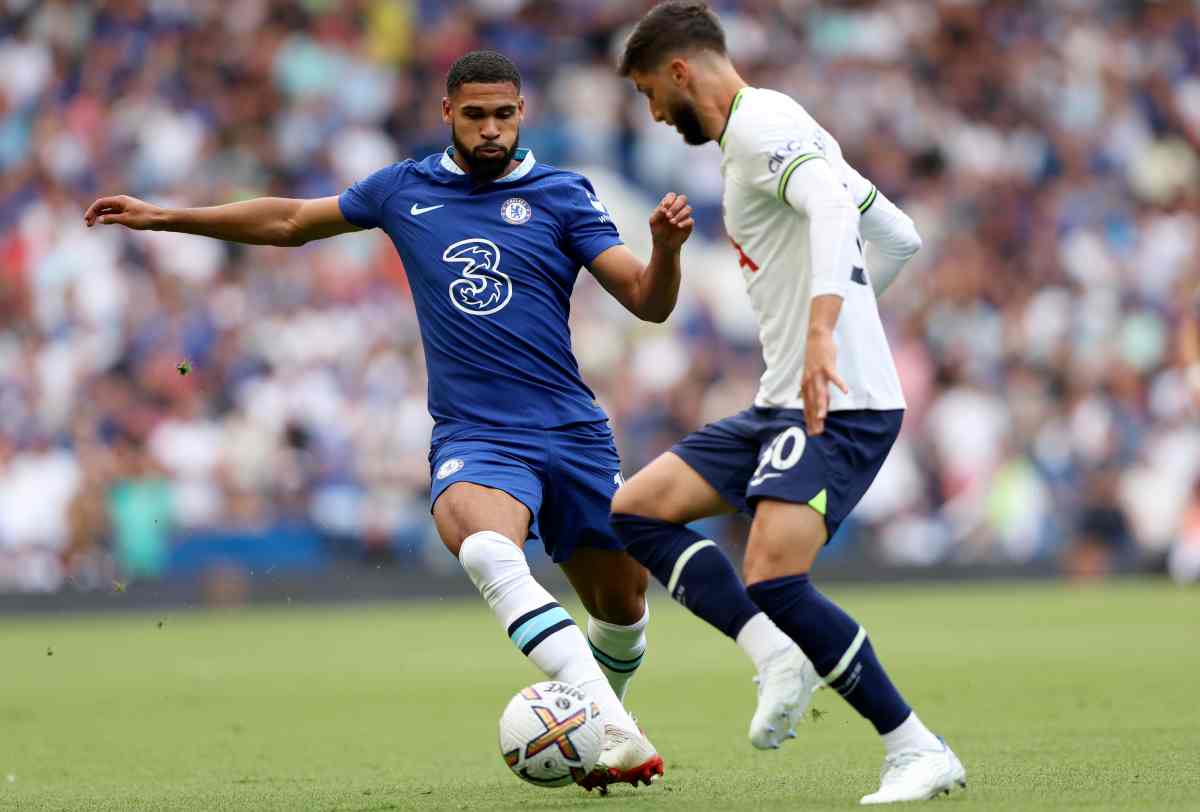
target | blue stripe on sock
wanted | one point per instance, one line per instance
(532, 613)
(531, 628)
(613, 664)
(547, 632)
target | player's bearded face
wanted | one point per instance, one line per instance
(669, 104)
(683, 116)
(485, 125)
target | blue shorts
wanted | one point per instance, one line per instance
(766, 454)
(566, 477)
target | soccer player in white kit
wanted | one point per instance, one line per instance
(827, 412)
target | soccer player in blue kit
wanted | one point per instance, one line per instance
(492, 243)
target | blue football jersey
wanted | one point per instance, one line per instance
(491, 267)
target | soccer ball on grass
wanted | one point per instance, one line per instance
(550, 734)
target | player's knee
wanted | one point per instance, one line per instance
(464, 509)
(488, 557)
(782, 542)
(763, 563)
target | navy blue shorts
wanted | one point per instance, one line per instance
(566, 477)
(767, 454)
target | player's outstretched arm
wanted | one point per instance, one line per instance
(261, 221)
(649, 291)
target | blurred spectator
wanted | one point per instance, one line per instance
(1049, 152)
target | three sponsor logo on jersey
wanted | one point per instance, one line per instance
(483, 289)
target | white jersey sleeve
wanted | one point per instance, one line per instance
(891, 237)
(889, 232)
(812, 189)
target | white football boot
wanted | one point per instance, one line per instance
(785, 689)
(626, 757)
(918, 775)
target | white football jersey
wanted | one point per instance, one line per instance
(768, 136)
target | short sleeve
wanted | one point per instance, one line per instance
(362, 203)
(775, 150)
(589, 228)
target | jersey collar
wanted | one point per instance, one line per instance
(733, 106)
(523, 154)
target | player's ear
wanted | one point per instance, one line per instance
(520, 109)
(680, 71)
(447, 110)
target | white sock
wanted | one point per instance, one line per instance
(536, 624)
(618, 649)
(911, 735)
(761, 639)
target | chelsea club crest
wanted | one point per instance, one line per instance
(450, 467)
(516, 211)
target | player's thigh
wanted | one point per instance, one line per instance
(805, 487)
(466, 508)
(610, 583)
(785, 539)
(582, 474)
(485, 479)
(669, 490)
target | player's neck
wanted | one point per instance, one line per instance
(720, 89)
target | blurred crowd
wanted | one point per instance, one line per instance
(154, 385)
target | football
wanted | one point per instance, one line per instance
(550, 734)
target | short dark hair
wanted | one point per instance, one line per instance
(488, 67)
(668, 28)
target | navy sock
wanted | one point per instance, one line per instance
(837, 646)
(691, 567)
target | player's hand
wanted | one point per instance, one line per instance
(122, 210)
(671, 222)
(820, 370)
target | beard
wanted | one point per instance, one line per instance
(688, 123)
(488, 166)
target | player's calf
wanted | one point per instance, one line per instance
(612, 587)
(535, 622)
(692, 568)
(537, 625)
(700, 576)
(837, 645)
(618, 649)
(649, 515)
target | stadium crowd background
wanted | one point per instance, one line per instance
(1048, 151)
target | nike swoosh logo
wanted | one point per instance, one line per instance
(415, 210)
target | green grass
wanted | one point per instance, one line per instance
(1054, 697)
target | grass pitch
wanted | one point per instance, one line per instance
(1053, 696)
